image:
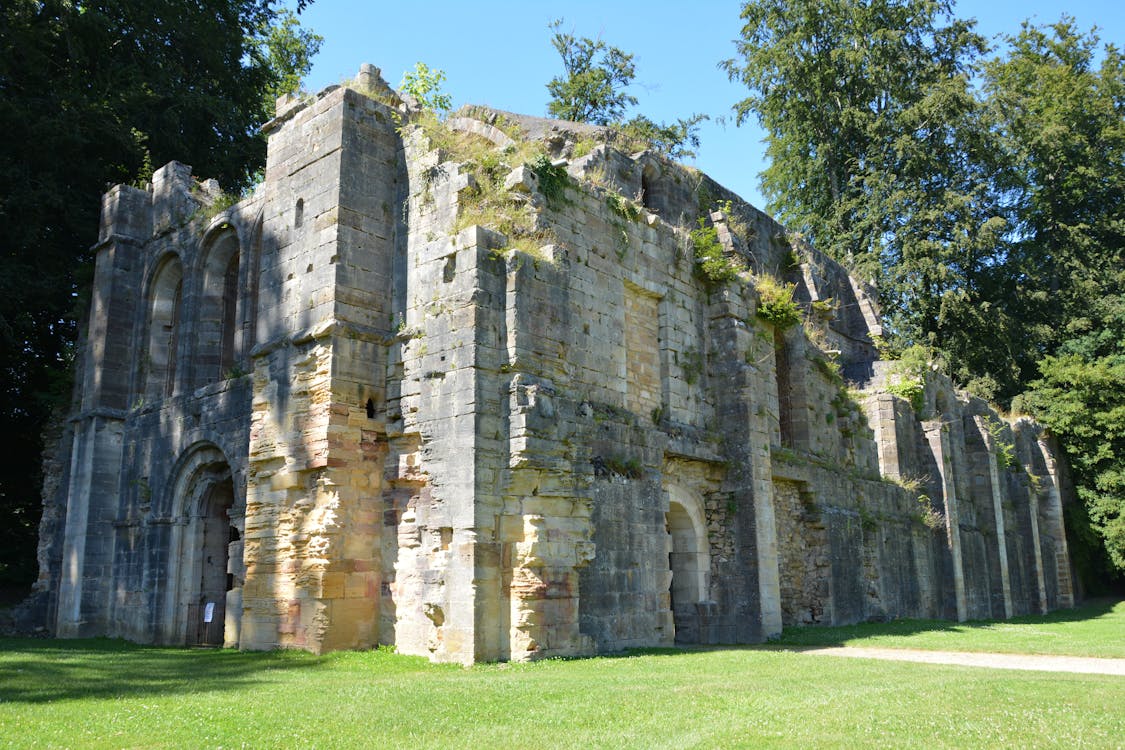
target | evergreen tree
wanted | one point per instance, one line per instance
(877, 152)
(1062, 118)
(1062, 178)
(993, 220)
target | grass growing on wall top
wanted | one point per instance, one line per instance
(489, 204)
(775, 302)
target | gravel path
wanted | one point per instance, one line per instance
(1080, 664)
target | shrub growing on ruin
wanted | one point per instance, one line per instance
(776, 304)
(907, 376)
(424, 84)
(710, 263)
(553, 178)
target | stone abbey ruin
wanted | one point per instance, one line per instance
(468, 388)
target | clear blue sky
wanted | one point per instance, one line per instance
(499, 54)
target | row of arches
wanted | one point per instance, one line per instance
(197, 321)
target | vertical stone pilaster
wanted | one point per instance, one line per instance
(94, 488)
(1033, 515)
(998, 512)
(748, 401)
(765, 524)
(938, 439)
(882, 415)
(1054, 515)
(769, 580)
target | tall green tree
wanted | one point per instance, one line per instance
(94, 93)
(1062, 119)
(992, 218)
(878, 152)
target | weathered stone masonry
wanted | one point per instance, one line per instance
(335, 414)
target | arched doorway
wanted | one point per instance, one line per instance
(689, 563)
(207, 626)
(203, 605)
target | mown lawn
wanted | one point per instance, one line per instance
(1095, 629)
(108, 694)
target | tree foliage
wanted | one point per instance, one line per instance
(1062, 118)
(425, 85)
(677, 140)
(1062, 179)
(97, 93)
(596, 76)
(593, 90)
(876, 147)
(1082, 401)
(992, 216)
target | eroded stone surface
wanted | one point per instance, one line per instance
(546, 436)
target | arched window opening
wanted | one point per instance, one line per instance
(217, 345)
(370, 408)
(162, 342)
(229, 316)
(299, 213)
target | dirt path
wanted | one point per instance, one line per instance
(1079, 664)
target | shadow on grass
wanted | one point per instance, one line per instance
(39, 671)
(819, 635)
(814, 635)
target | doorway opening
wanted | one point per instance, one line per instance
(207, 623)
(689, 564)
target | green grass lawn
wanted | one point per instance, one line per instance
(1095, 629)
(108, 694)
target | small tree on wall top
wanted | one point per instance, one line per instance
(593, 89)
(424, 84)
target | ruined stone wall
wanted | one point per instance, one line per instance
(317, 445)
(538, 432)
(149, 397)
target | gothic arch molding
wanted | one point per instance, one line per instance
(206, 505)
(163, 305)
